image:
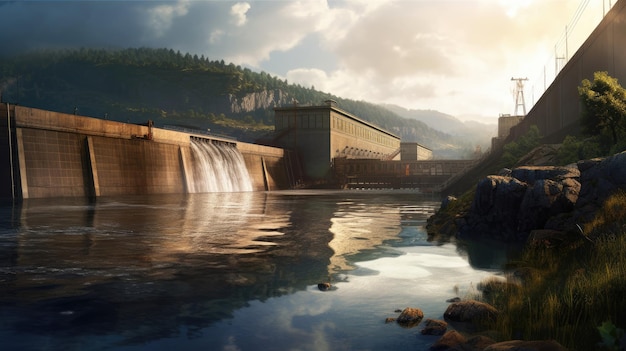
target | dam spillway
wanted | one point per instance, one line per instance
(218, 167)
(49, 154)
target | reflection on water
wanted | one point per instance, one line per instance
(360, 227)
(220, 271)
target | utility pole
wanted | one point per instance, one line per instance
(519, 94)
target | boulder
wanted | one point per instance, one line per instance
(470, 311)
(519, 345)
(494, 209)
(434, 327)
(478, 342)
(449, 340)
(324, 286)
(600, 178)
(410, 317)
(545, 199)
(497, 195)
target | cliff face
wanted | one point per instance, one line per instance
(265, 99)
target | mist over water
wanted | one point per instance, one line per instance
(224, 271)
(218, 167)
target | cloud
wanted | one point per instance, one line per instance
(308, 77)
(238, 11)
(162, 16)
(451, 55)
(455, 56)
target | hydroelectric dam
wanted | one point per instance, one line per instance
(48, 154)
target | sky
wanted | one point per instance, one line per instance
(454, 56)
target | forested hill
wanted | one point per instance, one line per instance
(171, 88)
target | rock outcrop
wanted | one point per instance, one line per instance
(266, 99)
(600, 178)
(508, 207)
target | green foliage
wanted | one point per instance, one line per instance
(572, 150)
(618, 147)
(514, 150)
(169, 87)
(612, 337)
(604, 106)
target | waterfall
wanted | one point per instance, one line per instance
(218, 167)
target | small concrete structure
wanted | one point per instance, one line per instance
(321, 133)
(505, 124)
(415, 152)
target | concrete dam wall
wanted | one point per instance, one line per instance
(48, 154)
(558, 111)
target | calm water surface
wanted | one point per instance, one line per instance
(225, 271)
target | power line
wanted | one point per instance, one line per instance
(519, 94)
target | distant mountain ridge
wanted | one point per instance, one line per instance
(168, 87)
(477, 132)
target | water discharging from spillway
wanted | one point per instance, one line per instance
(218, 167)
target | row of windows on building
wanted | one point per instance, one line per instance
(302, 121)
(363, 132)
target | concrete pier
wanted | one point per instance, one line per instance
(48, 154)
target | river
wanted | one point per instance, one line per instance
(225, 271)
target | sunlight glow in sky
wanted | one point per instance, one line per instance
(454, 56)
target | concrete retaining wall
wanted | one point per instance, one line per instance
(60, 155)
(268, 166)
(135, 167)
(559, 109)
(51, 163)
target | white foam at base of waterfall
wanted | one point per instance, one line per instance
(218, 167)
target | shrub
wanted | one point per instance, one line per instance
(572, 150)
(514, 150)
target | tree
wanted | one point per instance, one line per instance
(514, 150)
(604, 106)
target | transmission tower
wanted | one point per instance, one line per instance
(519, 94)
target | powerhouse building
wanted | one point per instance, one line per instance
(321, 133)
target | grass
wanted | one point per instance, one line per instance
(566, 293)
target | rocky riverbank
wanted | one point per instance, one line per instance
(534, 202)
(469, 320)
(542, 206)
